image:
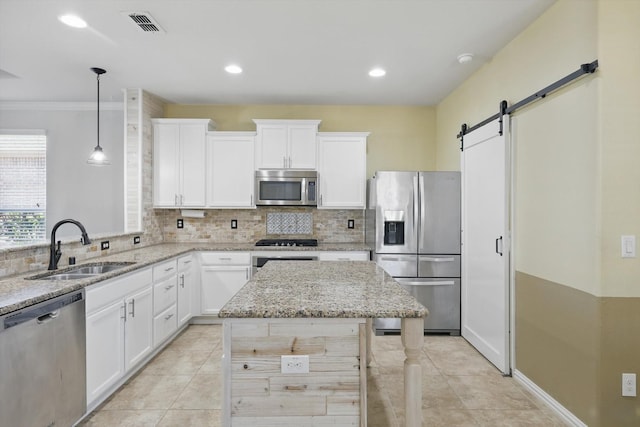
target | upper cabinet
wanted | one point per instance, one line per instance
(230, 169)
(286, 144)
(179, 162)
(342, 170)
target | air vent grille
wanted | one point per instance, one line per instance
(145, 22)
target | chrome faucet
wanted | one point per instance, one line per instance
(56, 253)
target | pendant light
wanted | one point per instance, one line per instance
(98, 158)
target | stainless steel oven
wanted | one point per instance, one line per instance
(286, 187)
(258, 260)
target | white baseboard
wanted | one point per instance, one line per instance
(560, 410)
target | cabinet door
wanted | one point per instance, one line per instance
(271, 152)
(166, 176)
(192, 162)
(186, 283)
(105, 349)
(230, 171)
(138, 327)
(302, 146)
(342, 172)
(219, 284)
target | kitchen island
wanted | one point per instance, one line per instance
(295, 344)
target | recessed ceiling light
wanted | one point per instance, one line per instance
(233, 69)
(73, 21)
(377, 72)
(465, 58)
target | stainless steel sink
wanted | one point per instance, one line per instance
(81, 271)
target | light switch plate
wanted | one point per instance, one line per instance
(628, 246)
(294, 364)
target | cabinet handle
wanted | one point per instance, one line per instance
(284, 162)
(224, 259)
(133, 307)
(166, 288)
(181, 200)
(123, 307)
(175, 199)
(321, 200)
(168, 269)
(289, 162)
(187, 262)
(247, 273)
(168, 316)
(182, 280)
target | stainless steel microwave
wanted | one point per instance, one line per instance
(286, 187)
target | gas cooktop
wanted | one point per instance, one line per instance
(287, 242)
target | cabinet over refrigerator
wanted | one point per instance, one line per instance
(413, 221)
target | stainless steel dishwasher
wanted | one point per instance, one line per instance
(42, 363)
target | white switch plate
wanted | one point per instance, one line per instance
(628, 246)
(294, 364)
(629, 385)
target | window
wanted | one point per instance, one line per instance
(23, 187)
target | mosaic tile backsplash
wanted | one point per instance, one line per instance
(289, 223)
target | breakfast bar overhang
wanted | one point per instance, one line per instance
(320, 313)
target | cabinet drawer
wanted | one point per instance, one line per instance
(185, 262)
(165, 293)
(164, 269)
(225, 258)
(344, 256)
(164, 324)
(103, 293)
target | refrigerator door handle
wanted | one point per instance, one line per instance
(433, 283)
(416, 202)
(433, 259)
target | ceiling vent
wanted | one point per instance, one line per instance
(145, 22)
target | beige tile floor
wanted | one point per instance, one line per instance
(181, 387)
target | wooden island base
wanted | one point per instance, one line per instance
(333, 392)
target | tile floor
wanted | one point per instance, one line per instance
(180, 387)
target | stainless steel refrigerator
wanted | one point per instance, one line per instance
(413, 220)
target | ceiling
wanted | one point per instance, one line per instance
(292, 51)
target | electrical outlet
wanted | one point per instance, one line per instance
(629, 385)
(136, 240)
(234, 223)
(104, 245)
(350, 223)
(294, 364)
(180, 223)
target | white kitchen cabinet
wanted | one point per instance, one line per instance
(286, 144)
(118, 329)
(342, 170)
(222, 275)
(344, 256)
(179, 162)
(230, 169)
(165, 299)
(138, 327)
(186, 285)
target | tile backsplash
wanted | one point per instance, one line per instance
(326, 225)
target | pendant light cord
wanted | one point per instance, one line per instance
(98, 109)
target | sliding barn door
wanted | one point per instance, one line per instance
(485, 242)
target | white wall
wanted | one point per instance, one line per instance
(92, 195)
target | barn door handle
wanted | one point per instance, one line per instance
(499, 239)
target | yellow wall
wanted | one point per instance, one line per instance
(576, 191)
(555, 141)
(402, 137)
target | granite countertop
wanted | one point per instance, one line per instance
(17, 292)
(346, 289)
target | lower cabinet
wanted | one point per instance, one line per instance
(165, 299)
(222, 275)
(119, 329)
(186, 284)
